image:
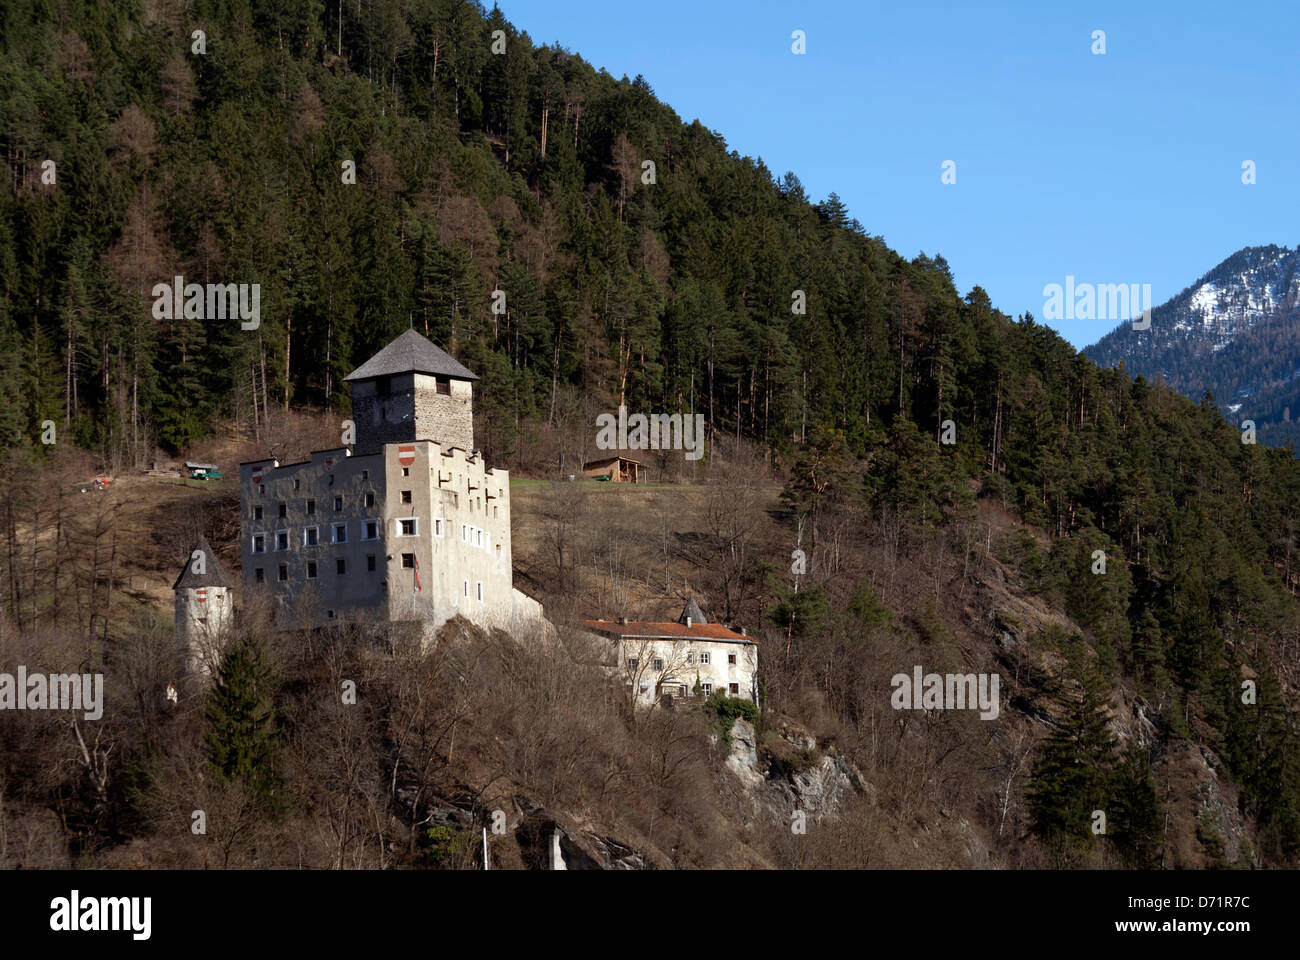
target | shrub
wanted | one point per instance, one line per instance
(790, 763)
(727, 709)
(447, 846)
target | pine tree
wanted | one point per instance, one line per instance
(1262, 750)
(243, 736)
(1072, 777)
(1135, 825)
(1148, 649)
(914, 477)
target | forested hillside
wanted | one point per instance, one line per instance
(711, 286)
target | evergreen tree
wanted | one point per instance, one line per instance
(1071, 779)
(243, 736)
(1263, 750)
(1136, 825)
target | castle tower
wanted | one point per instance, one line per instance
(205, 611)
(412, 390)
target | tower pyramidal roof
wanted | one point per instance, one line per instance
(691, 612)
(411, 353)
(213, 575)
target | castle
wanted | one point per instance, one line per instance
(407, 526)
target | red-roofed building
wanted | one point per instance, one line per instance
(685, 658)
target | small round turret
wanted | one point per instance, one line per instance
(205, 612)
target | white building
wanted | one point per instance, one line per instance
(686, 658)
(408, 525)
(205, 612)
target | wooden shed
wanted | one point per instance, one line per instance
(616, 469)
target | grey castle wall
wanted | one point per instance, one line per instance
(412, 410)
(447, 420)
(461, 542)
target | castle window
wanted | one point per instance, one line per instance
(690, 657)
(311, 536)
(261, 488)
(408, 527)
(338, 503)
(657, 665)
(408, 561)
(331, 479)
(704, 657)
(311, 507)
(707, 688)
(340, 533)
(406, 496)
(369, 529)
(466, 588)
(282, 540)
(731, 659)
(478, 537)
(284, 572)
(259, 543)
(330, 614)
(257, 513)
(632, 663)
(437, 527)
(340, 565)
(442, 385)
(311, 569)
(370, 499)
(370, 562)
(259, 575)
(406, 471)
(464, 532)
(734, 690)
(297, 482)
(365, 474)
(284, 509)
(494, 511)
(480, 590)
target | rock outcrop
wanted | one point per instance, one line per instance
(792, 774)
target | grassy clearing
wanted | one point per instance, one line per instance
(586, 483)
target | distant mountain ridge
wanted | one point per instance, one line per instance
(1232, 333)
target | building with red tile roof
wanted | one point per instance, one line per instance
(684, 658)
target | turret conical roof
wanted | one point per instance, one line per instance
(213, 575)
(692, 610)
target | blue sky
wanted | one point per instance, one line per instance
(1119, 168)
